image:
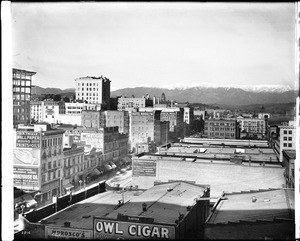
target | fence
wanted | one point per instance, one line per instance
(64, 201)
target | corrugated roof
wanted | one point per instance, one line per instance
(269, 204)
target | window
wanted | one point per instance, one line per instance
(290, 138)
(290, 132)
(49, 165)
(284, 132)
(285, 144)
(285, 138)
(290, 144)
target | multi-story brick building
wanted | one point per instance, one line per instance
(73, 166)
(125, 103)
(219, 128)
(94, 90)
(107, 140)
(146, 128)
(22, 81)
(38, 153)
(176, 118)
(109, 118)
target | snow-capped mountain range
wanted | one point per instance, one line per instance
(251, 88)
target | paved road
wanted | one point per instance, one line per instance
(123, 179)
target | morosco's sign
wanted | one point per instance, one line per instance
(143, 168)
(115, 229)
(67, 233)
(28, 139)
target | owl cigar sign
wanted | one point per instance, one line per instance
(115, 229)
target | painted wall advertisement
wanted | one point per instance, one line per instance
(28, 139)
(115, 229)
(26, 178)
(67, 233)
(28, 157)
(93, 139)
(143, 168)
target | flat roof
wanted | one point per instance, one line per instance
(165, 202)
(269, 204)
(222, 176)
(80, 215)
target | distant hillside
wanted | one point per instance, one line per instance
(205, 95)
(36, 90)
(221, 95)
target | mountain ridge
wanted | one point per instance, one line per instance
(205, 95)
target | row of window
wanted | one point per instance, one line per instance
(221, 124)
(21, 89)
(52, 142)
(286, 132)
(21, 97)
(88, 84)
(287, 144)
(23, 82)
(51, 175)
(94, 94)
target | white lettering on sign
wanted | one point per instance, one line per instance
(133, 230)
(108, 227)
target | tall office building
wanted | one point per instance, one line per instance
(22, 80)
(94, 90)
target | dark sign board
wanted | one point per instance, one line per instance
(28, 139)
(116, 229)
(144, 168)
(25, 177)
(67, 233)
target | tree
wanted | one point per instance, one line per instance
(66, 99)
(57, 98)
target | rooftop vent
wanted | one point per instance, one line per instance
(169, 189)
(254, 199)
(144, 205)
(67, 224)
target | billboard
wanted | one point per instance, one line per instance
(67, 233)
(26, 177)
(116, 229)
(28, 139)
(30, 157)
(93, 139)
(143, 168)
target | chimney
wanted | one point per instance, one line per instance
(144, 205)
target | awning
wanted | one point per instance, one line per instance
(107, 166)
(97, 171)
(127, 159)
(113, 165)
(31, 203)
(68, 186)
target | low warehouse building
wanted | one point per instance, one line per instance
(255, 215)
(173, 210)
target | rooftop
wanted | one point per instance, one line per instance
(80, 215)
(254, 205)
(222, 176)
(165, 202)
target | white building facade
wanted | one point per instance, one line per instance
(125, 103)
(94, 90)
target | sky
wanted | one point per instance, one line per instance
(156, 44)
